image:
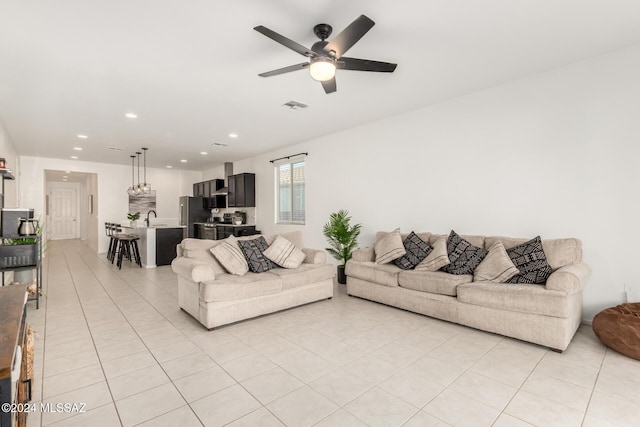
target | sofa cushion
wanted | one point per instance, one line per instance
(463, 256)
(496, 266)
(534, 299)
(559, 252)
(530, 259)
(304, 275)
(389, 247)
(253, 251)
(294, 237)
(438, 257)
(230, 287)
(385, 274)
(435, 282)
(284, 253)
(230, 256)
(416, 250)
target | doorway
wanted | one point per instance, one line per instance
(64, 210)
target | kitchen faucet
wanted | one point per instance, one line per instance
(146, 221)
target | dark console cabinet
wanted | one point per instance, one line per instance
(166, 241)
(242, 190)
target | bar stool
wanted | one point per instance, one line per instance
(111, 231)
(128, 248)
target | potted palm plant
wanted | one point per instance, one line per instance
(343, 238)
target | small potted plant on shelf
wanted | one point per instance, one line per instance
(343, 238)
(133, 218)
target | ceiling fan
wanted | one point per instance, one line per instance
(325, 56)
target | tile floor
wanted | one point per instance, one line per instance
(117, 342)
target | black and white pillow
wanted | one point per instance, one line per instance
(416, 250)
(530, 259)
(253, 252)
(463, 255)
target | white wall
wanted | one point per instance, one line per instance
(555, 155)
(112, 201)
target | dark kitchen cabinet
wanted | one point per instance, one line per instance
(224, 231)
(242, 190)
(166, 241)
(198, 190)
(212, 200)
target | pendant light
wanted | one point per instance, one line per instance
(146, 188)
(132, 190)
(138, 187)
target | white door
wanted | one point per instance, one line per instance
(64, 215)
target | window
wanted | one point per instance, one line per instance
(290, 193)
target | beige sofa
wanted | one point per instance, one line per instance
(547, 314)
(214, 297)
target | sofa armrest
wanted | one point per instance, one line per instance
(314, 256)
(193, 269)
(570, 278)
(364, 255)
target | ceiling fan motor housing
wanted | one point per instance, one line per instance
(322, 31)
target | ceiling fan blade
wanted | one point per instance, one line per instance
(329, 85)
(285, 41)
(346, 63)
(349, 36)
(288, 69)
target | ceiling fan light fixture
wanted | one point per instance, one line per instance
(322, 69)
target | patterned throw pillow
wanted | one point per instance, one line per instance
(416, 250)
(463, 255)
(496, 267)
(284, 253)
(229, 255)
(253, 253)
(389, 247)
(530, 259)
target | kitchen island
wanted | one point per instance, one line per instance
(157, 242)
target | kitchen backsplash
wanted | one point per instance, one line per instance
(251, 213)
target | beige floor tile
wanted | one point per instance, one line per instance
(203, 383)
(183, 417)
(128, 364)
(379, 408)
(619, 412)
(412, 387)
(485, 390)
(309, 368)
(340, 386)
(149, 404)
(460, 410)
(104, 416)
(83, 399)
(578, 375)
(248, 366)
(62, 383)
(70, 362)
(137, 381)
(258, 418)
(506, 420)
(225, 406)
(438, 371)
(119, 350)
(559, 391)
(228, 351)
(540, 411)
(423, 419)
(174, 351)
(340, 418)
(187, 365)
(272, 385)
(371, 368)
(302, 407)
(398, 355)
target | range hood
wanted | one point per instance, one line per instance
(228, 171)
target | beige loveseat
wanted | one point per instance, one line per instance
(547, 314)
(215, 297)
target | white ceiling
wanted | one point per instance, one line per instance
(189, 68)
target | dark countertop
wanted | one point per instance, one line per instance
(226, 225)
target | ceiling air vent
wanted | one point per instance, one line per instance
(219, 144)
(115, 148)
(294, 105)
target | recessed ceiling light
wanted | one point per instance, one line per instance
(169, 167)
(81, 136)
(67, 171)
(204, 153)
(74, 157)
(183, 161)
(131, 115)
(233, 135)
(77, 148)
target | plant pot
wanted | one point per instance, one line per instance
(342, 278)
(134, 224)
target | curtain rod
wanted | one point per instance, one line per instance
(288, 157)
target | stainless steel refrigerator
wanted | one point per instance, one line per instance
(191, 211)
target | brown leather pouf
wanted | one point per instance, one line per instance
(619, 328)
